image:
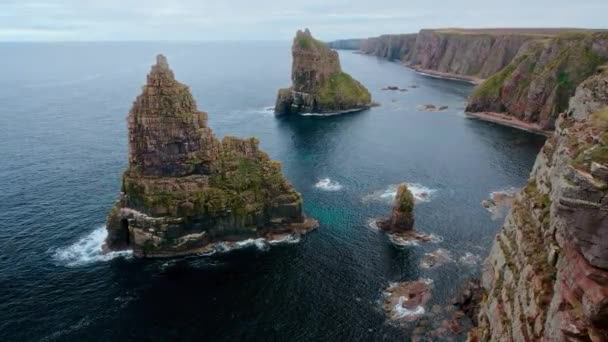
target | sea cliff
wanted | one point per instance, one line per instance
(536, 85)
(185, 190)
(318, 83)
(546, 277)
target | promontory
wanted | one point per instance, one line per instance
(185, 191)
(319, 84)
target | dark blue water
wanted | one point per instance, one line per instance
(63, 146)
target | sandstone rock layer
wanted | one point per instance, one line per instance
(546, 278)
(319, 84)
(536, 85)
(184, 188)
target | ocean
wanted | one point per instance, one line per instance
(63, 146)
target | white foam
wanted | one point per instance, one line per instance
(421, 193)
(399, 241)
(399, 311)
(470, 259)
(87, 250)
(327, 184)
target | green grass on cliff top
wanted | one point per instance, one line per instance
(307, 42)
(342, 88)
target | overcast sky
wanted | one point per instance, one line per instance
(86, 20)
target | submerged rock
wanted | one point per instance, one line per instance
(435, 259)
(406, 301)
(319, 84)
(184, 189)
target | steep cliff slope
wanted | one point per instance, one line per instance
(536, 85)
(185, 189)
(391, 46)
(547, 274)
(319, 84)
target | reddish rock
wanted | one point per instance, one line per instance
(402, 217)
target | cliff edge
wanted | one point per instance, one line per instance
(536, 85)
(546, 277)
(319, 84)
(184, 189)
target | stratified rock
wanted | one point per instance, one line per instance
(536, 85)
(402, 216)
(546, 278)
(319, 84)
(184, 189)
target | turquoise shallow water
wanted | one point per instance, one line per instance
(64, 145)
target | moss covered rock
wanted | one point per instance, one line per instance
(185, 189)
(319, 84)
(402, 216)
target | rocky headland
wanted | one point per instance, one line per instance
(535, 87)
(546, 278)
(345, 44)
(318, 83)
(185, 190)
(525, 76)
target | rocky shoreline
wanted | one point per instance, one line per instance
(507, 120)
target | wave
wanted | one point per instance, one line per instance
(327, 184)
(421, 193)
(87, 250)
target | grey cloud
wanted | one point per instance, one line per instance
(271, 19)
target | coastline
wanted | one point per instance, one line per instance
(446, 75)
(510, 121)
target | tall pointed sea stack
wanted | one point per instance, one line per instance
(402, 216)
(319, 84)
(184, 189)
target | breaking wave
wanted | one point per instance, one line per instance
(87, 250)
(327, 184)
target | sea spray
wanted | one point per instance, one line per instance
(87, 250)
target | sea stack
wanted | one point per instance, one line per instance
(402, 216)
(319, 84)
(185, 190)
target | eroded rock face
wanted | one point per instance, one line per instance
(536, 85)
(184, 188)
(402, 216)
(319, 84)
(547, 274)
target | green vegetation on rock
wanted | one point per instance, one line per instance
(342, 88)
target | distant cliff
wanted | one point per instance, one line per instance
(546, 278)
(318, 83)
(536, 85)
(345, 44)
(391, 46)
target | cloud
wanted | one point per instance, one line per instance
(275, 19)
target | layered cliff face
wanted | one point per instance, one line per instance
(185, 189)
(319, 84)
(461, 52)
(535, 87)
(547, 274)
(390, 46)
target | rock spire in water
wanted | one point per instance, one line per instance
(185, 190)
(319, 84)
(402, 216)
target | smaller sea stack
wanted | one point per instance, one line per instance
(402, 216)
(319, 84)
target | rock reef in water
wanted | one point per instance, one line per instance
(546, 278)
(402, 216)
(319, 84)
(184, 189)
